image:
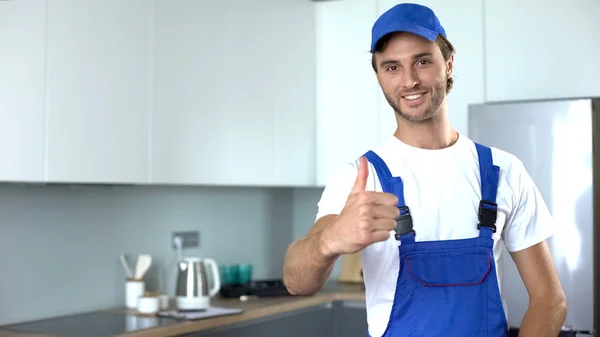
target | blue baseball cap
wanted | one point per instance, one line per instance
(407, 17)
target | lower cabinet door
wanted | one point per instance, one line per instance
(333, 319)
(350, 319)
(315, 321)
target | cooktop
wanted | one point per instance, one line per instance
(94, 324)
(261, 288)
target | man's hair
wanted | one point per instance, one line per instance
(445, 46)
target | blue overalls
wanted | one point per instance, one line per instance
(446, 288)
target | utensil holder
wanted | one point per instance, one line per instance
(133, 290)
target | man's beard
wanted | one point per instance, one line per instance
(435, 102)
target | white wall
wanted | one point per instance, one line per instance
(539, 49)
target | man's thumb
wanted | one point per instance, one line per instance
(361, 178)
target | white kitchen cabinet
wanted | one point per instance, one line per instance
(294, 82)
(213, 118)
(462, 21)
(22, 92)
(541, 50)
(347, 89)
(98, 91)
(233, 93)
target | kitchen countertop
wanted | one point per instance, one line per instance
(252, 309)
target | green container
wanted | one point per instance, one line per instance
(245, 273)
(236, 274)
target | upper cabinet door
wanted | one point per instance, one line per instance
(347, 90)
(22, 93)
(538, 49)
(214, 108)
(292, 55)
(98, 87)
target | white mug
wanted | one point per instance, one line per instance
(133, 290)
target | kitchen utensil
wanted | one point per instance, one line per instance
(192, 292)
(143, 264)
(351, 269)
(126, 266)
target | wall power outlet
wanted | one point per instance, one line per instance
(189, 239)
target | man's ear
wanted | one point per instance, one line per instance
(450, 66)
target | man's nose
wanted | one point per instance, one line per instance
(409, 78)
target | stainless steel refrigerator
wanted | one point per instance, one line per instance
(558, 142)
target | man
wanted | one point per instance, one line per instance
(427, 209)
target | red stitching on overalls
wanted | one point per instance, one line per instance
(450, 284)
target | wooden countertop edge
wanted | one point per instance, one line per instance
(195, 326)
(6, 333)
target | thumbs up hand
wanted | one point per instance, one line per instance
(367, 217)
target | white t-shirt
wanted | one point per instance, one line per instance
(442, 190)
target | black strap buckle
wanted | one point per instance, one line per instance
(404, 222)
(487, 216)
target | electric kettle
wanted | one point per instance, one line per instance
(193, 292)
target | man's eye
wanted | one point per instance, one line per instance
(392, 68)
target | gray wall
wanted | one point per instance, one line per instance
(60, 245)
(304, 212)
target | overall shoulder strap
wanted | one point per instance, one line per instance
(394, 185)
(383, 172)
(489, 176)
